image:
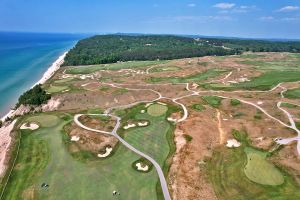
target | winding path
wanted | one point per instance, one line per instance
(159, 171)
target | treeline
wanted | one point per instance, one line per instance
(103, 49)
(257, 45)
(113, 48)
(35, 96)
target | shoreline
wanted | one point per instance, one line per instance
(46, 76)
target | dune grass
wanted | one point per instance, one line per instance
(164, 69)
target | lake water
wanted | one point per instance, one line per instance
(24, 57)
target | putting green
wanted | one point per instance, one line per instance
(157, 110)
(44, 120)
(259, 170)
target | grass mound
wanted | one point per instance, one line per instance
(157, 110)
(213, 101)
(259, 170)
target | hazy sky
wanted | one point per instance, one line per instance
(244, 18)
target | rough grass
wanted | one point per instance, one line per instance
(213, 101)
(235, 102)
(259, 170)
(211, 73)
(69, 178)
(292, 94)
(157, 110)
(116, 66)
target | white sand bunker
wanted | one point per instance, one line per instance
(129, 126)
(143, 111)
(75, 138)
(140, 168)
(31, 126)
(161, 103)
(259, 103)
(142, 124)
(233, 143)
(108, 151)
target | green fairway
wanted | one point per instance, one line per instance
(116, 66)
(44, 158)
(259, 170)
(56, 88)
(44, 120)
(164, 69)
(64, 80)
(211, 73)
(157, 110)
(270, 79)
(292, 94)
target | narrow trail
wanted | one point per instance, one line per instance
(221, 131)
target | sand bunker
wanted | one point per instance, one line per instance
(75, 138)
(142, 124)
(140, 168)
(31, 126)
(108, 151)
(233, 143)
(129, 126)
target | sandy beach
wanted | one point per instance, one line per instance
(47, 75)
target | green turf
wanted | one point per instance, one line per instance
(45, 159)
(292, 94)
(44, 120)
(157, 110)
(235, 102)
(211, 73)
(269, 79)
(213, 101)
(164, 69)
(198, 107)
(259, 170)
(115, 66)
(63, 80)
(288, 105)
(56, 88)
(252, 56)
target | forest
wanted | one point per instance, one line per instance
(102, 49)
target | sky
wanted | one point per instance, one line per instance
(244, 18)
